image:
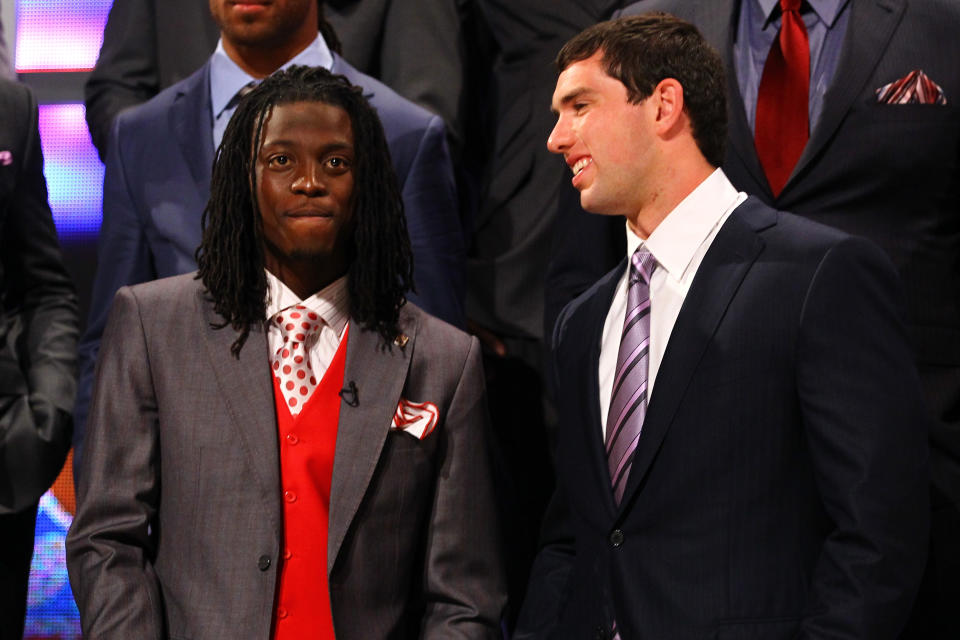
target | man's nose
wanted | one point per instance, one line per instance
(559, 139)
(310, 180)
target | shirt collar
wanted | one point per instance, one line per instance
(330, 303)
(676, 239)
(226, 76)
(826, 10)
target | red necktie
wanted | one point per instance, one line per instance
(291, 363)
(783, 126)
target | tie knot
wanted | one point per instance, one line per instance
(242, 93)
(790, 5)
(642, 264)
(297, 323)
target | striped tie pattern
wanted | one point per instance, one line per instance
(628, 402)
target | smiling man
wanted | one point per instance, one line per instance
(280, 446)
(741, 450)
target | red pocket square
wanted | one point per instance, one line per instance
(416, 418)
(914, 88)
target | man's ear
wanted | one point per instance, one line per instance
(668, 95)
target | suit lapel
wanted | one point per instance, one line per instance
(585, 372)
(190, 121)
(862, 49)
(247, 389)
(379, 375)
(728, 260)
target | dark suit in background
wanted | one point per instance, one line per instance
(38, 336)
(517, 182)
(149, 45)
(890, 173)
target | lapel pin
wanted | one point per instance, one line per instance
(401, 340)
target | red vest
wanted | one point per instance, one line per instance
(307, 445)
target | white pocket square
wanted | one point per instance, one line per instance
(416, 418)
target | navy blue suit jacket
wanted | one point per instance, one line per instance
(779, 485)
(157, 184)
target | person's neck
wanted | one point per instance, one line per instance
(261, 61)
(305, 278)
(678, 182)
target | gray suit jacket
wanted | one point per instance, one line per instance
(178, 530)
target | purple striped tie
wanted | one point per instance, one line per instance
(628, 402)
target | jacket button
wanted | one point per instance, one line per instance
(601, 634)
(616, 537)
(263, 563)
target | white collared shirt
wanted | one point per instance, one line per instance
(330, 303)
(678, 244)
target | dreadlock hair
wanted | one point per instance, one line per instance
(231, 254)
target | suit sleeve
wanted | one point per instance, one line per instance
(433, 221)
(112, 541)
(867, 433)
(464, 581)
(126, 72)
(39, 311)
(123, 259)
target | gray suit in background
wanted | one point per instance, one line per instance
(6, 61)
(412, 549)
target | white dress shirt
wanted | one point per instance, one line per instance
(330, 303)
(678, 244)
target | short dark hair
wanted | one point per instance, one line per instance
(231, 255)
(642, 50)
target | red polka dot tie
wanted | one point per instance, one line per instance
(291, 363)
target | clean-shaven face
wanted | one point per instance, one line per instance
(604, 138)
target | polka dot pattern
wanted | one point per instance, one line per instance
(293, 371)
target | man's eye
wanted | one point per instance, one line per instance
(337, 162)
(279, 160)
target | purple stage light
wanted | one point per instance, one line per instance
(59, 35)
(73, 170)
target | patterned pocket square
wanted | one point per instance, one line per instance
(6, 158)
(416, 418)
(914, 88)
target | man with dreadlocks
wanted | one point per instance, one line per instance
(279, 446)
(157, 175)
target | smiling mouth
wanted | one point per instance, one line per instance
(580, 165)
